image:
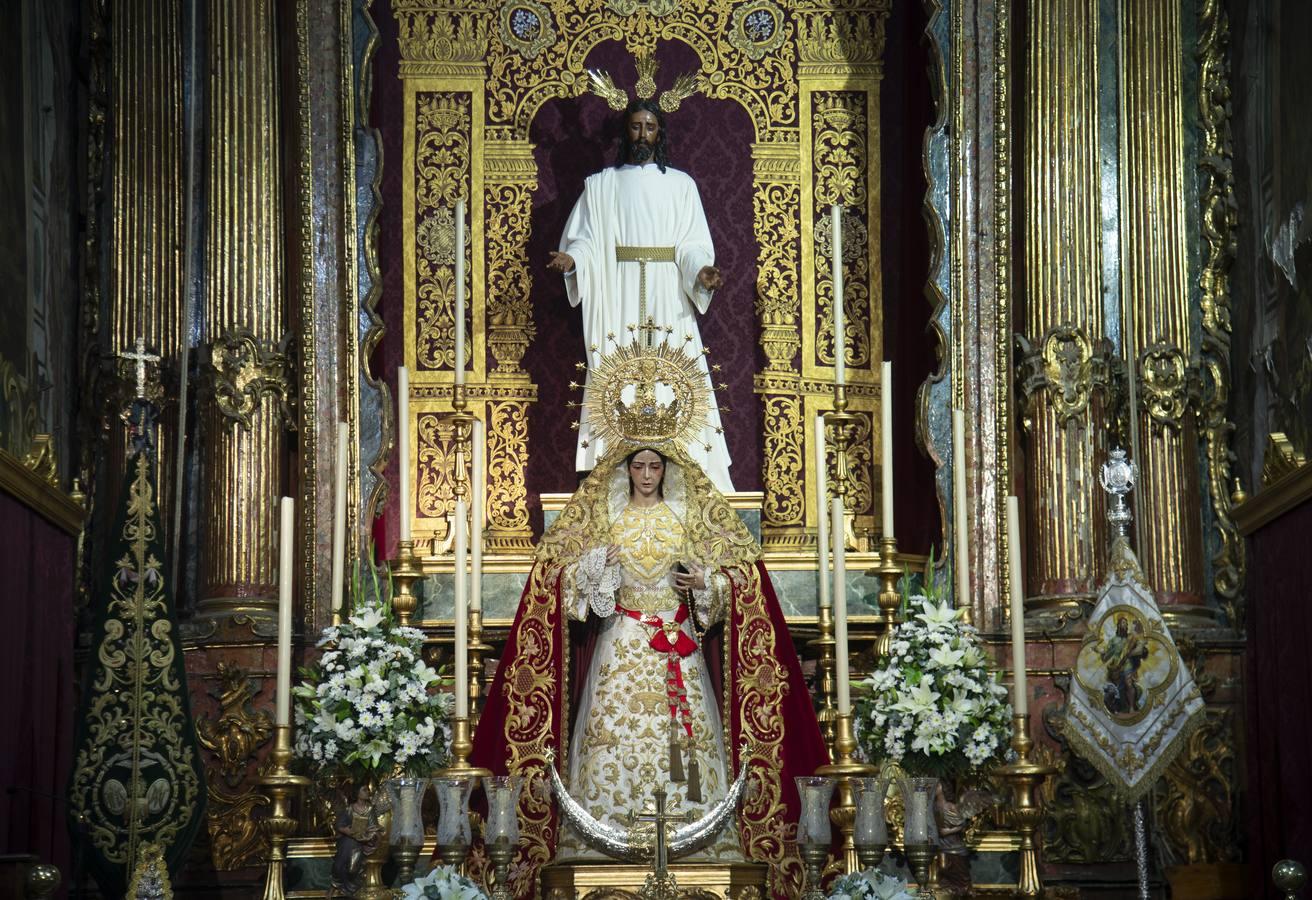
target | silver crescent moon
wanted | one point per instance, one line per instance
(630, 844)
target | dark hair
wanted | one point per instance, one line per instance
(628, 461)
(661, 150)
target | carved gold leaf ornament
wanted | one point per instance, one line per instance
(1162, 374)
(243, 370)
(1280, 458)
(239, 730)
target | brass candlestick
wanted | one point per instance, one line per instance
(814, 855)
(841, 424)
(1027, 811)
(405, 572)
(920, 857)
(869, 856)
(501, 852)
(461, 745)
(279, 782)
(476, 651)
(888, 571)
(843, 769)
(453, 854)
(823, 646)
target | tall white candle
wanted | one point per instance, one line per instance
(1020, 694)
(283, 696)
(339, 520)
(840, 314)
(961, 563)
(886, 443)
(476, 519)
(460, 291)
(461, 613)
(822, 510)
(840, 608)
(403, 440)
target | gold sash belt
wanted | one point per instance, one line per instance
(644, 254)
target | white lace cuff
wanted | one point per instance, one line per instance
(597, 582)
(709, 602)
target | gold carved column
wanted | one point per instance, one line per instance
(1063, 377)
(246, 387)
(147, 289)
(1155, 301)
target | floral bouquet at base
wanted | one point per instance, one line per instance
(871, 884)
(371, 708)
(934, 708)
(442, 883)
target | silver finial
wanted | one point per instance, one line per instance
(1118, 477)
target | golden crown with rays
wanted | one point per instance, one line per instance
(685, 85)
(642, 418)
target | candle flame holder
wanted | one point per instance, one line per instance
(843, 769)
(888, 571)
(1026, 776)
(405, 572)
(823, 647)
(461, 745)
(280, 824)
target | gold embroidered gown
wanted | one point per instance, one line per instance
(619, 750)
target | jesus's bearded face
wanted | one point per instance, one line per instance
(643, 132)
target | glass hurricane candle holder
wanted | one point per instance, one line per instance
(407, 834)
(870, 830)
(453, 830)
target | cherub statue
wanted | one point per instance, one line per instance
(357, 832)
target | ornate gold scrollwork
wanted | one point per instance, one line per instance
(42, 459)
(243, 370)
(1280, 458)
(627, 8)
(441, 32)
(442, 169)
(236, 840)
(17, 411)
(1162, 372)
(1196, 797)
(239, 731)
(435, 497)
(847, 39)
(507, 449)
(512, 177)
(1218, 222)
(1069, 366)
(784, 502)
(234, 738)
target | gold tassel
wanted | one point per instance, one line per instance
(694, 779)
(676, 758)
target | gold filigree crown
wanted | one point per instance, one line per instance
(624, 401)
(685, 85)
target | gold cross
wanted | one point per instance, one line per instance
(141, 357)
(649, 329)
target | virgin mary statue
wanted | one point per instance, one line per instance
(649, 651)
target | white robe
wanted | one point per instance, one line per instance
(639, 206)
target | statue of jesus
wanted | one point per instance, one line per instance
(635, 250)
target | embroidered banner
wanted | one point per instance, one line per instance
(1133, 701)
(137, 774)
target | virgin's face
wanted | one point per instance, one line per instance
(646, 470)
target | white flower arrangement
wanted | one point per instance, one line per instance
(442, 883)
(934, 708)
(371, 705)
(871, 884)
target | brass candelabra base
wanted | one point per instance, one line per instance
(889, 572)
(870, 855)
(461, 746)
(406, 856)
(405, 572)
(1026, 810)
(814, 855)
(453, 854)
(844, 768)
(501, 853)
(823, 648)
(280, 824)
(920, 857)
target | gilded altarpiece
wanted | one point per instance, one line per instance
(475, 76)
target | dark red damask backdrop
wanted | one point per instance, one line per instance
(711, 140)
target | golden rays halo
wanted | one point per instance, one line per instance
(640, 417)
